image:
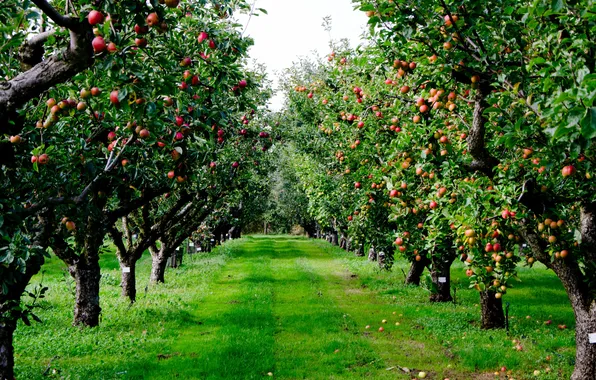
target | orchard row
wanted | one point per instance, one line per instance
(119, 129)
(459, 131)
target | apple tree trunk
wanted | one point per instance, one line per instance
(158, 264)
(585, 354)
(372, 254)
(359, 251)
(492, 310)
(7, 329)
(87, 276)
(441, 277)
(416, 270)
(129, 279)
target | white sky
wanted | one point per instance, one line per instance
(293, 28)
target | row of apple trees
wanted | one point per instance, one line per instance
(461, 129)
(133, 122)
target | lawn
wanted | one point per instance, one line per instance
(292, 308)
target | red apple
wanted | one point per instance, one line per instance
(141, 42)
(186, 61)
(141, 29)
(152, 19)
(568, 170)
(114, 98)
(43, 159)
(95, 17)
(112, 48)
(99, 44)
(202, 37)
(144, 133)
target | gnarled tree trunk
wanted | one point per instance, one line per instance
(129, 279)
(7, 329)
(87, 276)
(334, 238)
(158, 265)
(381, 259)
(585, 354)
(372, 254)
(359, 251)
(579, 292)
(416, 270)
(492, 310)
(441, 278)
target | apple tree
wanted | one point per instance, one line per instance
(127, 112)
(523, 75)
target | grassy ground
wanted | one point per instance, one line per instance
(292, 308)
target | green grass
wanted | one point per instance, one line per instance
(295, 308)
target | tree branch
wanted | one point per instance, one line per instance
(482, 160)
(57, 69)
(52, 13)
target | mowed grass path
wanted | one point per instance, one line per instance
(295, 309)
(284, 306)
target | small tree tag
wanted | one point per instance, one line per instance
(125, 269)
(592, 338)
(443, 279)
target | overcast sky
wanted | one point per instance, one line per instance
(293, 28)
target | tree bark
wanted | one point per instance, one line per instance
(381, 259)
(576, 284)
(359, 251)
(585, 355)
(334, 238)
(158, 265)
(129, 279)
(492, 310)
(7, 329)
(343, 241)
(441, 278)
(87, 277)
(416, 270)
(482, 159)
(372, 254)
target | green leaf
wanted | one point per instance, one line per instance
(491, 110)
(557, 5)
(589, 124)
